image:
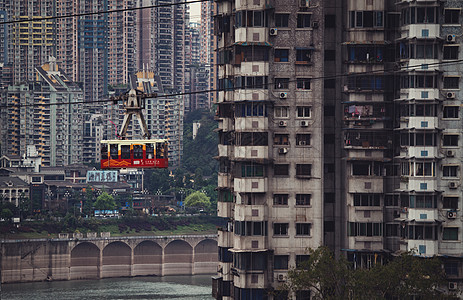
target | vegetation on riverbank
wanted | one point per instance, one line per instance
(126, 226)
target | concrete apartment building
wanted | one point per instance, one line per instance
(339, 125)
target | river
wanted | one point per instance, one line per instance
(196, 287)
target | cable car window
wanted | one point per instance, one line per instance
(104, 151)
(160, 150)
(125, 151)
(113, 151)
(149, 151)
(137, 151)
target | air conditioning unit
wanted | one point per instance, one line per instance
(283, 123)
(451, 215)
(450, 95)
(302, 143)
(281, 277)
(453, 286)
(273, 31)
(283, 95)
(315, 24)
(304, 123)
(453, 185)
(450, 153)
(451, 38)
(282, 150)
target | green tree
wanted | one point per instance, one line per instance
(197, 200)
(404, 276)
(6, 214)
(105, 202)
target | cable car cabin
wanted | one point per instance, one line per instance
(119, 154)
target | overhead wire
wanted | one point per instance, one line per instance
(346, 75)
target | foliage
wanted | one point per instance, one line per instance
(198, 200)
(404, 276)
(6, 214)
(105, 201)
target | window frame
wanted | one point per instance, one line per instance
(303, 20)
(280, 22)
(280, 199)
(303, 199)
(280, 229)
(283, 55)
(303, 229)
(281, 109)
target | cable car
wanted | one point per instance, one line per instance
(143, 153)
(117, 154)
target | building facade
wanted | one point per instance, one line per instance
(357, 135)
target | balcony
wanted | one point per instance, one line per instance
(420, 152)
(418, 184)
(225, 238)
(419, 93)
(256, 68)
(365, 184)
(251, 212)
(224, 150)
(426, 31)
(251, 123)
(426, 248)
(419, 122)
(224, 209)
(250, 185)
(251, 152)
(423, 214)
(250, 243)
(252, 34)
(224, 180)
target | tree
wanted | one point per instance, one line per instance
(197, 200)
(105, 202)
(6, 214)
(404, 276)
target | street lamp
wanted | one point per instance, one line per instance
(182, 193)
(67, 194)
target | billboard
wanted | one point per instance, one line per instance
(102, 176)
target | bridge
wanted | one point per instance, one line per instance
(103, 257)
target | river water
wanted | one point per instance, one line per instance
(196, 287)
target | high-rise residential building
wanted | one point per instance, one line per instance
(208, 46)
(270, 115)
(27, 44)
(46, 113)
(351, 141)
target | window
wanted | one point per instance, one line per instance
(252, 18)
(137, 151)
(367, 199)
(281, 170)
(451, 268)
(280, 262)
(113, 151)
(451, 52)
(251, 138)
(280, 199)
(281, 55)
(248, 228)
(303, 56)
(449, 202)
(302, 139)
(281, 111)
(303, 228)
(281, 83)
(303, 170)
(418, 15)
(364, 229)
(450, 234)
(281, 20)
(150, 151)
(451, 112)
(450, 171)
(304, 111)
(366, 19)
(251, 109)
(451, 82)
(303, 199)
(451, 16)
(450, 140)
(125, 151)
(303, 83)
(225, 255)
(303, 20)
(301, 260)
(280, 229)
(281, 139)
(254, 170)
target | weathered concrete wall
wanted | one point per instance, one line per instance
(94, 258)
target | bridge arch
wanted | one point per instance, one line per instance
(178, 258)
(117, 260)
(147, 259)
(85, 261)
(205, 256)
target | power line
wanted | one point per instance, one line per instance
(392, 70)
(101, 12)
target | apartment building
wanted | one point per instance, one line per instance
(43, 113)
(271, 141)
(357, 135)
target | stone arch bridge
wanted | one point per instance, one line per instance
(94, 258)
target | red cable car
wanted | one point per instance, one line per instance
(143, 153)
(117, 154)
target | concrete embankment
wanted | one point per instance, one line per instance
(101, 257)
